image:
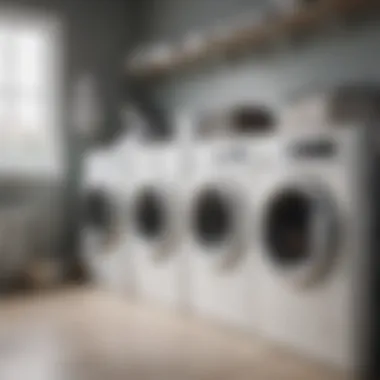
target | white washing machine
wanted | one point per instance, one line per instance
(104, 230)
(314, 239)
(156, 221)
(219, 208)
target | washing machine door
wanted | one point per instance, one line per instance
(101, 226)
(217, 224)
(300, 226)
(155, 221)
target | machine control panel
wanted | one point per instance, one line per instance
(313, 149)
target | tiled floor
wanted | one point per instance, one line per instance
(87, 334)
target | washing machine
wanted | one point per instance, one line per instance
(219, 207)
(104, 224)
(156, 221)
(313, 232)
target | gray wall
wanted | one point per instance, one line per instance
(96, 35)
(339, 55)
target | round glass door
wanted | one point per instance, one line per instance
(288, 233)
(299, 232)
(213, 220)
(150, 217)
(99, 212)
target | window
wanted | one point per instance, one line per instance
(28, 84)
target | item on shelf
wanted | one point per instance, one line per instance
(160, 54)
(226, 32)
(284, 7)
(137, 58)
(194, 43)
(154, 55)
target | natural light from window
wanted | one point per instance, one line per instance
(28, 86)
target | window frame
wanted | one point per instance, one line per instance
(50, 154)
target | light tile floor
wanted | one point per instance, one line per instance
(87, 334)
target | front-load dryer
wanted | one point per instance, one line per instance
(155, 219)
(314, 239)
(219, 208)
(104, 231)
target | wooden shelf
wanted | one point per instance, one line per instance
(250, 38)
